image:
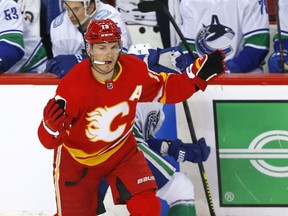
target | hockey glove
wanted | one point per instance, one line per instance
(274, 63)
(54, 116)
(195, 153)
(55, 125)
(62, 64)
(206, 67)
(169, 60)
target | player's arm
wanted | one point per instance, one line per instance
(12, 43)
(248, 59)
(256, 40)
(9, 55)
(195, 153)
(175, 88)
(55, 125)
(62, 64)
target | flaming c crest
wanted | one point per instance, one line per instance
(100, 120)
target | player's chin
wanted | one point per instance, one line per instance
(109, 65)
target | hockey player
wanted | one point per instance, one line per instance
(20, 51)
(275, 63)
(68, 28)
(239, 27)
(89, 123)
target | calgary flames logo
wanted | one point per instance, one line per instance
(100, 120)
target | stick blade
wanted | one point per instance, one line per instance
(149, 6)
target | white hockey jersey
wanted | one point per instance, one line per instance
(225, 24)
(31, 12)
(12, 24)
(67, 39)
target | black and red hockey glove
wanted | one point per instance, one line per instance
(207, 67)
(55, 126)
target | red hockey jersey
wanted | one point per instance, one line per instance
(104, 112)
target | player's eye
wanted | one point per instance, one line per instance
(115, 48)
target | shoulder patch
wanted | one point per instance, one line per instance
(58, 20)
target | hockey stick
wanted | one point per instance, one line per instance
(148, 6)
(283, 65)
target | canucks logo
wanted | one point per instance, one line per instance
(212, 33)
(151, 123)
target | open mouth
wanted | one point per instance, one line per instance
(102, 62)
